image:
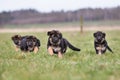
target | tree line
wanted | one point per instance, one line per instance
(33, 16)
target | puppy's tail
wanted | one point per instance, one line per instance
(72, 47)
(109, 49)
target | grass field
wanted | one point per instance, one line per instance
(83, 65)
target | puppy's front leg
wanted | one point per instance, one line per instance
(50, 50)
(16, 48)
(36, 50)
(99, 52)
(60, 54)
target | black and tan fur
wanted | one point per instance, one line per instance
(57, 44)
(26, 43)
(17, 40)
(100, 43)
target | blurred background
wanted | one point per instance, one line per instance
(58, 13)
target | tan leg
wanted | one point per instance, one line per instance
(60, 55)
(50, 51)
(16, 48)
(36, 50)
(99, 53)
(99, 50)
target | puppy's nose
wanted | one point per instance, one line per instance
(99, 38)
(55, 38)
(29, 44)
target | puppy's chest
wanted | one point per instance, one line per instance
(56, 48)
(100, 47)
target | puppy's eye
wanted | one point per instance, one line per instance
(58, 36)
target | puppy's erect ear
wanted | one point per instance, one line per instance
(104, 34)
(31, 37)
(60, 34)
(16, 37)
(34, 39)
(19, 37)
(12, 37)
(49, 33)
(94, 34)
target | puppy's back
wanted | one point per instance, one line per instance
(23, 45)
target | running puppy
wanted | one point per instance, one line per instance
(17, 40)
(57, 44)
(100, 43)
(26, 43)
(30, 43)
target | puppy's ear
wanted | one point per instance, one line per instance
(15, 37)
(104, 34)
(34, 39)
(18, 37)
(60, 34)
(49, 33)
(94, 34)
(12, 37)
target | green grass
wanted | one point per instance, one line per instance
(83, 65)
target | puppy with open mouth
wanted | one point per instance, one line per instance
(57, 44)
(100, 43)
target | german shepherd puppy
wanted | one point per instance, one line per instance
(100, 43)
(30, 43)
(17, 40)
(26, 43)
(57, 44)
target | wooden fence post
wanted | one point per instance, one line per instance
(81, 24)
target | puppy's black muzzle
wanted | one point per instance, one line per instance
(30, 44)
(55, 39)
(99, 39)
(17, 43)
